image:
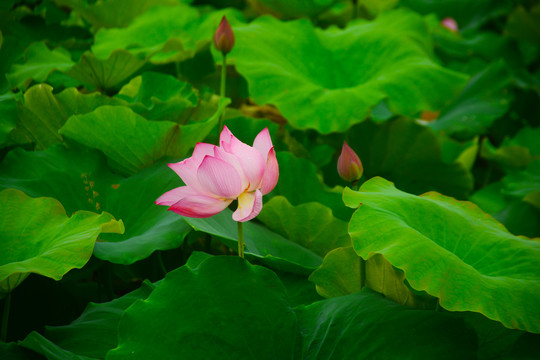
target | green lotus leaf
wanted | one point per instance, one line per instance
(113, 13)
(271, 248)
(517, 215)
(515, 153)
(105, 73)
(311, 225)
(485, 99)
(43, 113)
(159, 97)
(339, 274)
(292, 9)
(343, 272)
(37, 342)
(307, 187)
(164, 34)
(38, 237)
(81, 180)
(329, 80)
(8, 108)
(98, 321)
(410, 155)
(524, 185)
(131, 142)
(367, 326)
(40, 62)
(450, 249)
(12, 351)
(78, 179)
(148, 227)
(223, 309)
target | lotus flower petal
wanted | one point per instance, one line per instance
(173, 196)
(249, 206)
(271, 173)
(199, 206)
(219, 153)
(225, 138)
(263, 143)
(219, 178)
(251, 160)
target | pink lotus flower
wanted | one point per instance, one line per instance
(450, 24)
(217, 175)
(349, 165)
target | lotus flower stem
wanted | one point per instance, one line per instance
(222, 89)
(240, 239)
(5, 317)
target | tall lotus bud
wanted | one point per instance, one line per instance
(450, 24)
(224, 38)
(349, 165)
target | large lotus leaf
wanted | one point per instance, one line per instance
(518, 216)
(38, 237)
(367, 326)
(8, 119)
(108, 72)
(343, 272)
(485, 99)
(410, 155)
(130, 141)
(40, 62)
(148, 227)
(469, 14)
(450, 249)
(164, 34)
(329, 80)
(98, 322)
(223, 309)
(292, 8)
(271, 248)
(12, 351)
(339, 274)
(300, 183)
(113, 13)
(159, 97)
(524, 185)
(311, 225)
(43, 113)
(516, 152)
(80, 180)
(37, 342)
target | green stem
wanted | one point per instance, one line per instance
(240, 239)
(437, 306)
(222, 89)
(5, 317)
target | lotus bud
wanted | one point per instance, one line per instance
(224, 38)
(349, 165)
(450, 24)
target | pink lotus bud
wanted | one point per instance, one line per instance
(349, 165)
(217, 175)
(224, 37)
(450, 24)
